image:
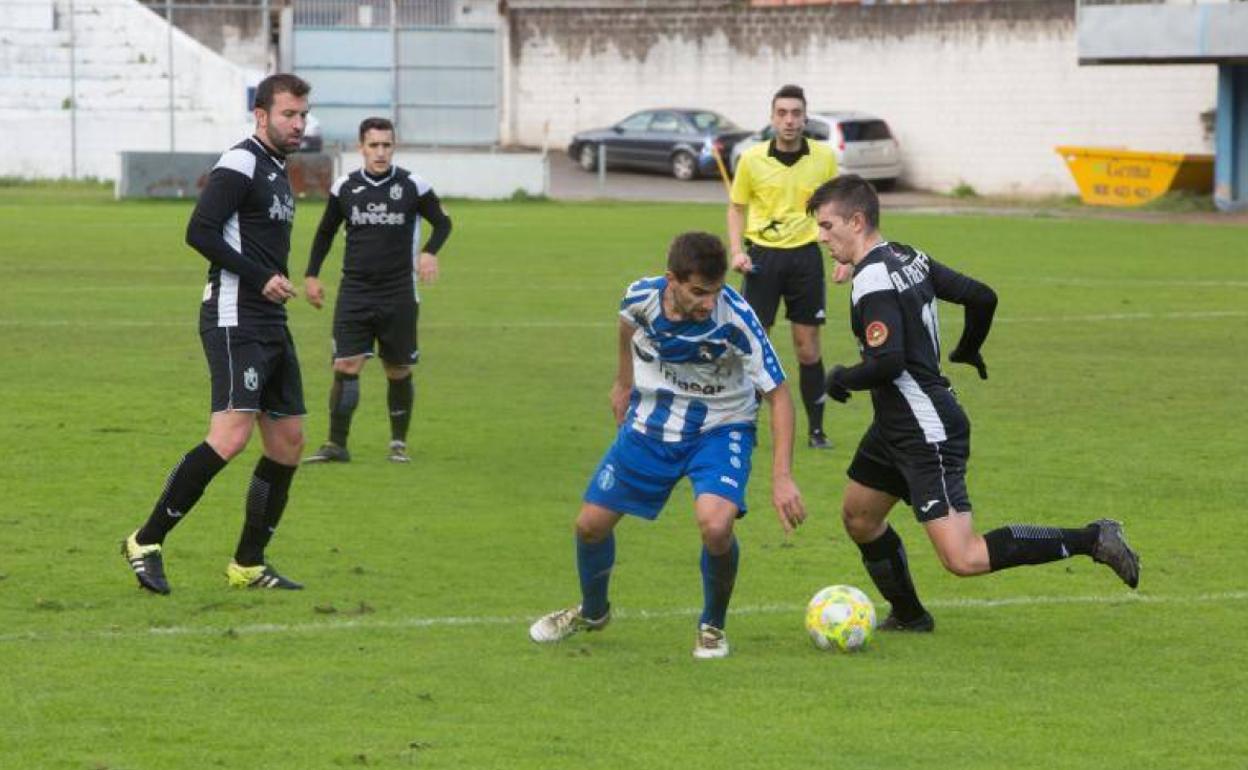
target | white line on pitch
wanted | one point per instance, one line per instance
(1195, 315)
(260, 629)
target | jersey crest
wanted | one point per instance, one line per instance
(876, 334)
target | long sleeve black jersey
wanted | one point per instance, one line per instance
(894, 316)
(241, 225)
(383, 221)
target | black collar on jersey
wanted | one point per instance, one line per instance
(788, 158)
(378, 181)
(870, 251)
(280, 160)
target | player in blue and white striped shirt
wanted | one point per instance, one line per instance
(692, 359)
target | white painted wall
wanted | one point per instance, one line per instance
(984, 106)
(486, 175)
(121, 57)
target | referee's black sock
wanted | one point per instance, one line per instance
(886, 563)
(344, 396)
(810, 379)
(266, 499)
(400, 396)
(185, 486)
(1020, 544)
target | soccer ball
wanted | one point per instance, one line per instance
(840, 618)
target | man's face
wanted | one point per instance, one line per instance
(788, 118)
(378, 150)
(695, 298)
(282, 124)
(838, 233)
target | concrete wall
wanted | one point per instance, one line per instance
(975, 92)
(486, 175)
(121, 89)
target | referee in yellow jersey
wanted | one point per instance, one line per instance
(773, 240)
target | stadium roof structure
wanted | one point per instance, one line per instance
(1201, 32)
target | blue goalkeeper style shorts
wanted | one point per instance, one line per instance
(638, 472)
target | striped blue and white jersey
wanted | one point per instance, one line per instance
(690, 377)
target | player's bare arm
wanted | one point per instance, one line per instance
(739, 261)
(622, 388)
(785, 495)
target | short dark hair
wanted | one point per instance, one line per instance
(375, 124)
(697, 253)
(852, 194)
(281, 83)
(789, 91)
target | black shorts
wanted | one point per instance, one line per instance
(930, 477)
(796, 275)
(360, 319)
(254, 370)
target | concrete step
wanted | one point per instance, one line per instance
(37, 38)
(12, 57)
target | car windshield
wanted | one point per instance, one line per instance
(711, 121)
(817, 129)
(865, 130)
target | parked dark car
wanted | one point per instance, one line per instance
(674, 140)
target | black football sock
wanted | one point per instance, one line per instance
(266, 499)
(886, 563)
(810, 379)
(344, 396)
(1020, 544)
(185, 486)
(400, 396)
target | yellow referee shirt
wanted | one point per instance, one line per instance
(776, 194)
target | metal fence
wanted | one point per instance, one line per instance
(404, 59)
(373, 13)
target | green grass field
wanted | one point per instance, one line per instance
(1118, 388)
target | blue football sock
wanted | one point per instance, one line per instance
(719, 573)
(594, 562)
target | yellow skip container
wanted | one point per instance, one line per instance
(1111, 177)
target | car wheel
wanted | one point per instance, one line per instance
(587, 158)
(684, 166)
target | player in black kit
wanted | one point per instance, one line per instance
(917, 447)
(383, 206)
(241, 225)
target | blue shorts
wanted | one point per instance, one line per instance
(638, 472)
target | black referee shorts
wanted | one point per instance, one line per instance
(360, 319)
(796, 275)
(930, 477)
(254, 369)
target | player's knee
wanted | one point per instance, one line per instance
(716, 535)
(349, 365)
(958, 562)
(809, 354)
(857, 524)
(294, 446)
(589, 530)
(229, 444)
(400, 372)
